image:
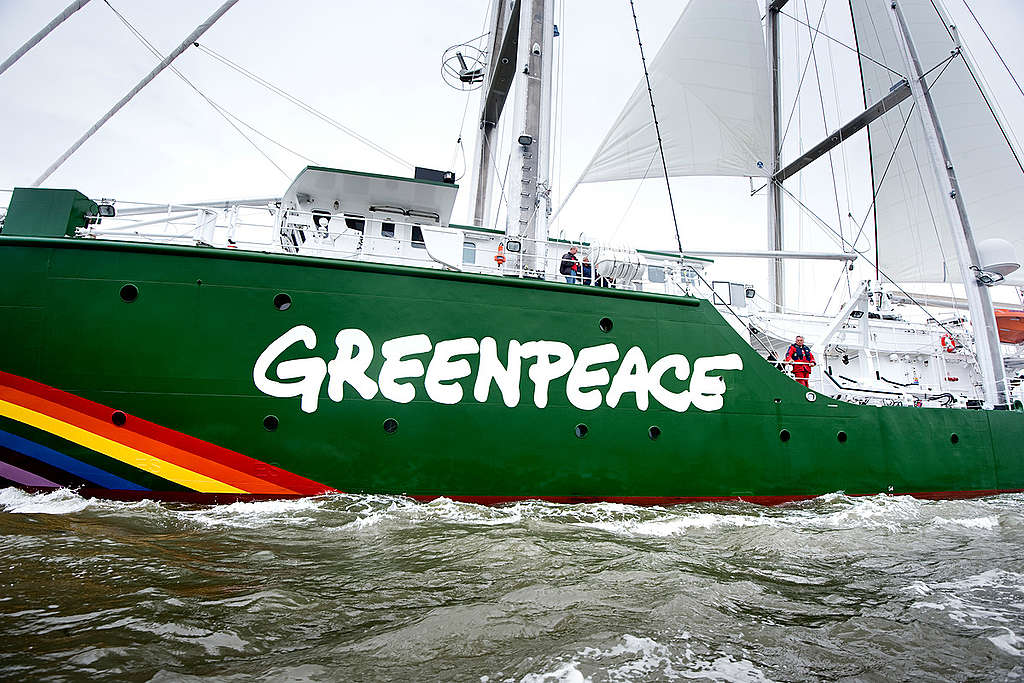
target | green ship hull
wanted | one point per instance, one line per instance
(131, 371)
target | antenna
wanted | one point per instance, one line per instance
(463, 66)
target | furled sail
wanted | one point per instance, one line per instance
(711, 88)
(914, 235)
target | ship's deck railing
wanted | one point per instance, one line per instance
(258, 228)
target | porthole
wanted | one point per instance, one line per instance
(129, 293)
(605, 324)
(654, 432)
(581, 431)
(391, 425)
(282, 302)
(270, 423)
(841, 437)
(784, 435)
(118, 418)
(953, 438)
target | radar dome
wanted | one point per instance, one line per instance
(998, 256)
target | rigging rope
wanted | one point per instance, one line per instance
(302, 105)
(657, 128)
(192, 37)
(216, 107)
(824, 121)
(633, 200)
(994, 48)
(839, 42)
(803, 74)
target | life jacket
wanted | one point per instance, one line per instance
(799, 353)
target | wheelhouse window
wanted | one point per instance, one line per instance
(357, 224)
(387, 229)
(468, 252)
(656, 273)
(417, 238)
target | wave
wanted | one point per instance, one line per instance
(355, 513)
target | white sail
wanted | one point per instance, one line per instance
(711, 89)
(914, 242)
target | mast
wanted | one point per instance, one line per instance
(979, 302)
(504, 25)
(526, 198)
(522, 56)
(776, 279)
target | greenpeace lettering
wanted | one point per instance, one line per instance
(446, 375)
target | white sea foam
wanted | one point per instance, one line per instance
(989, 522)
(725, 668)
(1009, 642)
(565, 673)
(57, 502)
(643, 658)
(677, 524)
(255, 514)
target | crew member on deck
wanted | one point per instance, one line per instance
(570, 266)
(802, 360)
(587, 271)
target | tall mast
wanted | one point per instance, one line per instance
(776, 280)
(526, 199)
(979, 303)
(504, 27)
(520, 63)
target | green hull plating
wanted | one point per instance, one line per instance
(182, 355)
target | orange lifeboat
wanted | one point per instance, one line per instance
(1010, 325)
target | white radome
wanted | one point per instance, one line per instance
(998, 256)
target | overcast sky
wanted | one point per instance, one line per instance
(375, 67)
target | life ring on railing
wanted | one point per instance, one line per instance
(499, 258)
(948, 343)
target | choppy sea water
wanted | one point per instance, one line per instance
(356, 588)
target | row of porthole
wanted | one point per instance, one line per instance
(270, 423)
(841, 436)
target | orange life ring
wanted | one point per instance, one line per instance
(948, 343)
(499, 258)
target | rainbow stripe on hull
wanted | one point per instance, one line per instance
(126, 454)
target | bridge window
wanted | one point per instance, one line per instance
(468, 252)
(656, 273)
(417, 238)
(357, 224)
(387, 229)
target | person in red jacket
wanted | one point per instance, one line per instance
(802, 360)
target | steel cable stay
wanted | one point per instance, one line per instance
(824, 224)
(302, 105)
(228, 116)
(803, 74)
(824, 121)
(635, 195)
(994, 48)
(892, 156)
(841, 43)
(821, 222)
(146, 80)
